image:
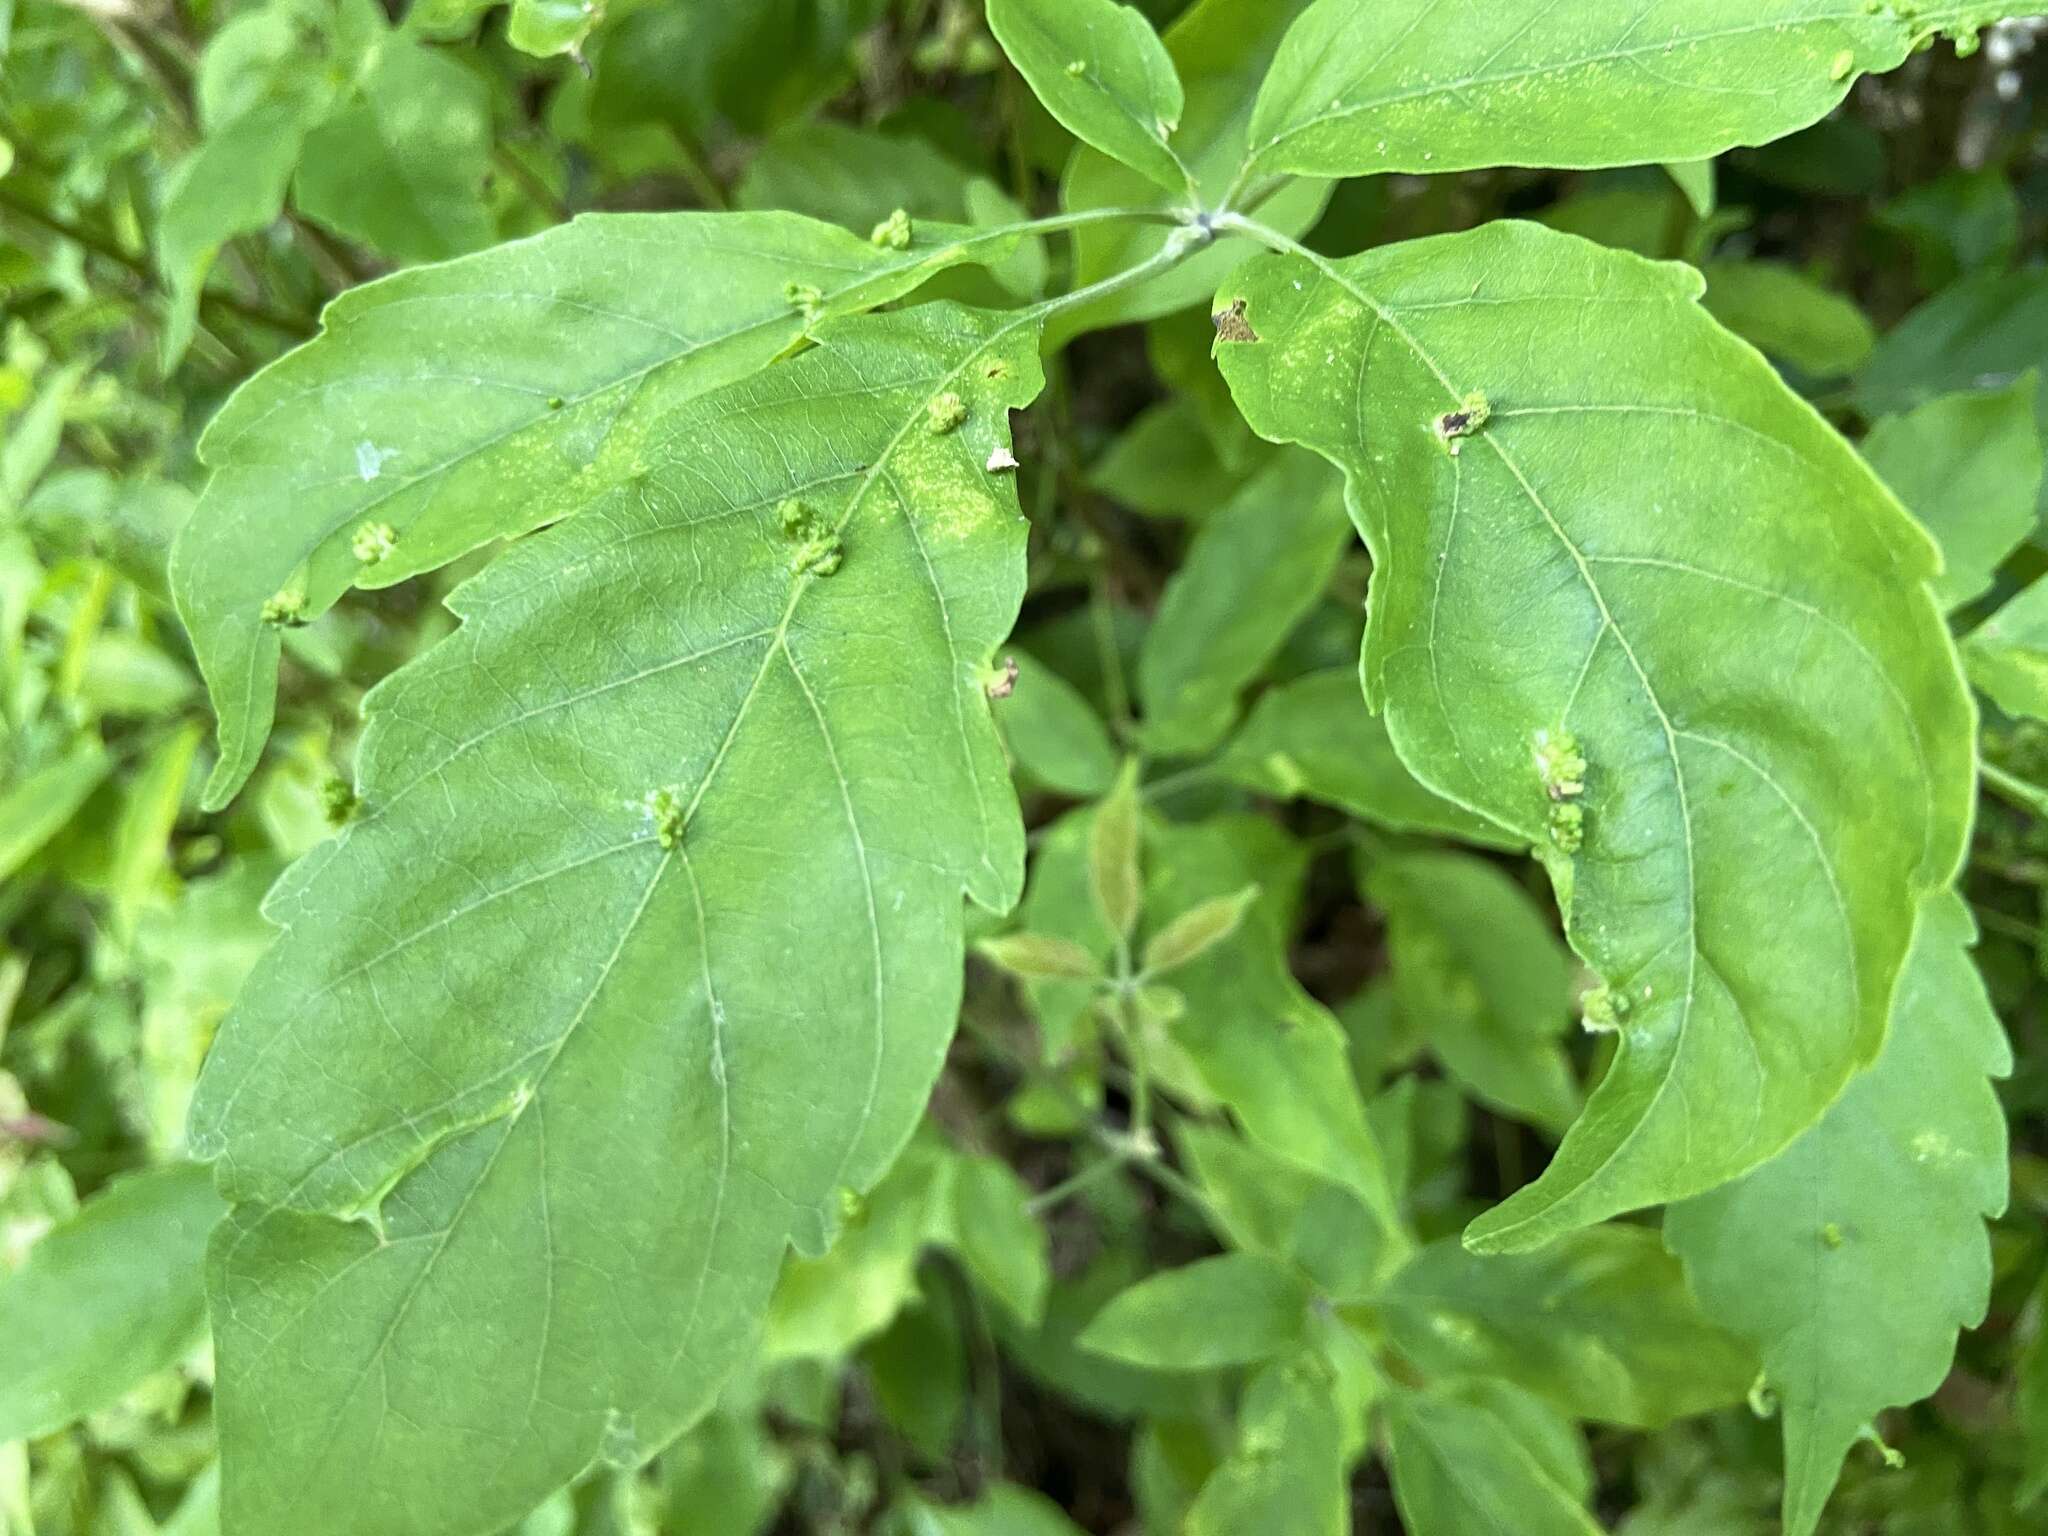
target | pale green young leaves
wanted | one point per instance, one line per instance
(105, 1299)
(452, 405)
(1852, 1258)
(1655, 553)
(1409, 86)
(639, 955)
(1101, 70)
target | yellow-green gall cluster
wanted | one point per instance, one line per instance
(893, 233)
(374, 543)
(944, 413)
(1454, 426)
(818, 551)
(666, 810)
(285, 609)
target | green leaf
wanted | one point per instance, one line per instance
(401, 167)
(1285, 1477)
(105, 1299)
(2031, 1403)
(1251, 1309)
(1481, 1456)
(142, 840)
(1969, 467)
(1165, 465)
(1599, 1323)
(548, 27)
(1398, 87)
(998, 1238)
(1479, 972)
(1004, 1510)
(578, 1086)
(1314, 738)
(1697, 180)
(1113, 876)
(1221, 49)
(1658, 559)
(1254, 570)
(2007, 655)
(825, 1307)
(1852, 1258)
(1264, 1047)
(36, 807)
(1040, 957)
(1101, 70)
(1264, 1204)
(1053, 732)
(557, 359)
(1787, 315)
(1197, 931)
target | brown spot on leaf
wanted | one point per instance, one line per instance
(1231, 324)
(1004, 683)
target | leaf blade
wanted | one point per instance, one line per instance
(597, 927)
(1551, 478)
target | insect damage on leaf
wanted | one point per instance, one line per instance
(373, 542)
(1231, 324)
(285, 609)
(1454, 426)
(893, 233)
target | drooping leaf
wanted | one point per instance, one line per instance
(1479, 972)
(107, 1298)
(1252, 1308)
(1483, 1456)
(1253, 570)
(1969, 467)
(2007, 655)
(998, 1239)
(1853, 1257)
(1004, 1510)
(1315, 738)
(1402, 86)
(524, 1107)
(451, 405)
(1639, 605)
(1600, 1324)
(1101, 70)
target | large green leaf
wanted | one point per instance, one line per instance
(1603, 526)
(1101, 70)
(448, 406)
(104, 1300)
(1854, 1257)
(1285, 1477)
(644, 949)
(1407, 86)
